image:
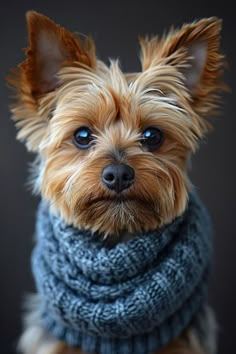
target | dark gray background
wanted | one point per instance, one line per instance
(115, 26)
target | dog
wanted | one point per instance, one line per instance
(113, 148)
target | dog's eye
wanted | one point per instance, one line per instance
(83, 138)
(152, 138)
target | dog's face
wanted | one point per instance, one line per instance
(113, 147)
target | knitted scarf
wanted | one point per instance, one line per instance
(133, 298)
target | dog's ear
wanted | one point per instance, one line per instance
(194, 50)
(50, 48)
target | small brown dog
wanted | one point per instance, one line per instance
(80, 116)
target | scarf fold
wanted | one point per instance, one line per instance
(133, 298)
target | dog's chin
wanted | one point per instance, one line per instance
(119, 218)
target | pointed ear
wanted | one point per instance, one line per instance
(194, 50)
(51, 47)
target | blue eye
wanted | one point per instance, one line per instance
(152, 138)
(83, 138)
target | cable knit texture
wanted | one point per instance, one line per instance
(133, 298)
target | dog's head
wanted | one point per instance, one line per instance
(113, 147)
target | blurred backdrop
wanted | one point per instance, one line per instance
(115, 27)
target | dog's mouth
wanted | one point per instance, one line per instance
(125, 202)
(120, 199)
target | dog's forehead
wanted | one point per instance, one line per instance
(101, 98)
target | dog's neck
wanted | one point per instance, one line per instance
(113, 240)
(144, 291)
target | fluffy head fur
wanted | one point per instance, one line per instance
(62, 86)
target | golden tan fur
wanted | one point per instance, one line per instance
(70, 88)
(180, 346)
(38, 343)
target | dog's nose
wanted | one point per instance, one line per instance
(118, 177)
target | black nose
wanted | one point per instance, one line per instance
(118, 177)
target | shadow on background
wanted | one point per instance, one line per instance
(115, 27)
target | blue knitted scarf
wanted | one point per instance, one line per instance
(133, 298)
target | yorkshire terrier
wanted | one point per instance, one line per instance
(112, 147)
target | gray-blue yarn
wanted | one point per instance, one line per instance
(133, 298)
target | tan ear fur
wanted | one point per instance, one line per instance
(194, 50)
(50, 48)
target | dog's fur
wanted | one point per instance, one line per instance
(62, 86)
